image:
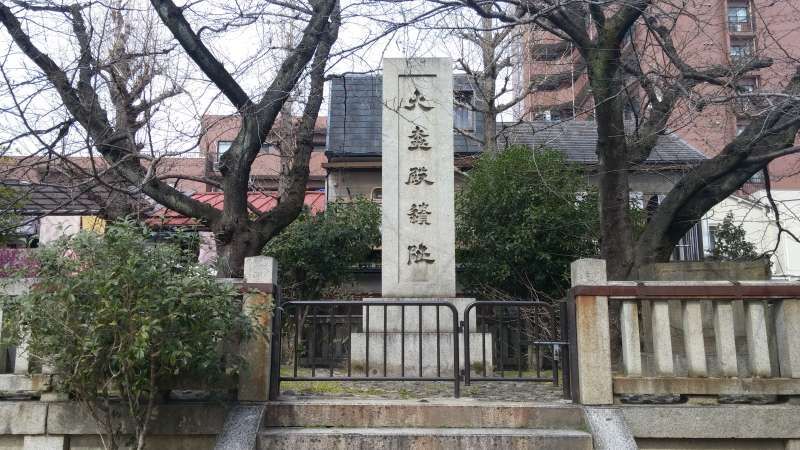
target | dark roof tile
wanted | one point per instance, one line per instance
(354, 128)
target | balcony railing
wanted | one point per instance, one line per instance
(736, 26)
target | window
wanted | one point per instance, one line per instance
(741, 125)
(746, 85)
(739, 18)
(463, 115)
(741, 48)
(746, 104)
(757, 178)
(549, 115)
(377, 195)
(712, 238)
(222, 147)
(690, 247)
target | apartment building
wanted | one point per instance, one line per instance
(708, 33)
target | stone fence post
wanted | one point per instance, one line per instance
(590, 341)
(254, 380)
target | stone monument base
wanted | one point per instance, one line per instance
(427, 331)
(410, 351)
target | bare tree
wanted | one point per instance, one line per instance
(599, 31)
(491, 61)
(109, 92)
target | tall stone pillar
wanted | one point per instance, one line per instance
(418, 230)
(418, 226)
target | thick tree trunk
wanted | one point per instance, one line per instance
(231, 254)
(613, 170)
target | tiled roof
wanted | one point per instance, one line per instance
(261, 201)
(32, 199)
(355, 117)
(354, 128)
(577, 139)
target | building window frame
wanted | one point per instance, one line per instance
(376, 195)
(741, 49)
(222, 146)
(740, 17)
(463, 114)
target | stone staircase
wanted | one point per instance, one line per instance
(438, 424)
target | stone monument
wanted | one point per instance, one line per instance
(418, 227)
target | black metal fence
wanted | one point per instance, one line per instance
(518, 341)
(369, 340)
(378, 340)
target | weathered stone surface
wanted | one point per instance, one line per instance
(592, 335)
(707, 386)
(17, 287)
(455, 413)
(21, 358)
(428, 391)
(706, 271)
(403, 350)
(757, 341)
(240, 431)
(714, 422)
(588, 272)
(260, 269)
(423, 438)
(662, 339)
(191, 419)
(9, 442)
(693, 340)
(631, 350)
(710, 444)
(153, 443)
(418, 256)
(45, 443)
(793, 444)
(254, 379)
(609, 430)
(725, 339)
(787, 327)
(22, 417)
(14, 384)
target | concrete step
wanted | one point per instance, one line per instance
(446, 413)
(421, 438)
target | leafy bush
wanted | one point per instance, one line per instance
(730, 243)
(118, 315)
(9, 219)
(522, 217)
(317, 252)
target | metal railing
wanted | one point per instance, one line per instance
(369, 340)
(740, 26)
(519, 341)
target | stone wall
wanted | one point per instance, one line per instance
(35, 425)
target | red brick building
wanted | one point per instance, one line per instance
(709, 33)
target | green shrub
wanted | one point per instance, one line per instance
(117, 315)
(730, 243)
(318, 252)
(522, 217)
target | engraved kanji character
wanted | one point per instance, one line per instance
(419, 213)
(418, 99)
(419, 254)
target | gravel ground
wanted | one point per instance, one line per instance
(485, 390)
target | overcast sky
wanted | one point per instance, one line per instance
(252, 53)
